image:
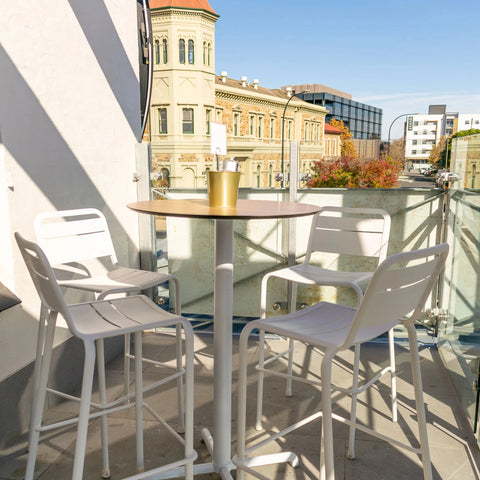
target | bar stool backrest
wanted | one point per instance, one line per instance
(43, 277)
(398, 290)
(350, 231)
(74, 235)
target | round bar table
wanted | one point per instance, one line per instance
(220, 445)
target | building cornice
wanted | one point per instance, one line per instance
(182, 12)
(255, 98)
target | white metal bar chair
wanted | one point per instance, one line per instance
(79, 246)
(92, 322)
(395, 295)
(361, 234)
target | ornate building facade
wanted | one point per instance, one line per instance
(188, 96)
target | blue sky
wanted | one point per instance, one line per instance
(400, 55)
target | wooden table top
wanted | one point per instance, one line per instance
(245, 209)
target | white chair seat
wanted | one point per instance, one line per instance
(308, 274)
(110, 318)
(118, 280)
(323, 324)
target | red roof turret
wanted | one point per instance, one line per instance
(192, 4)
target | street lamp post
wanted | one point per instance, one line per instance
(390, 128)
(282, 167)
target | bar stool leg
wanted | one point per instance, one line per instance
(189, 400)
(86, 396)
(126, 365)
(419, 402)
(393, 374)
(139, 400)
(292, 306)
(327, 467)
(353, 412)
(40, 394)
(180, 387)
(260, 380)
(102, 390)
(42, 327)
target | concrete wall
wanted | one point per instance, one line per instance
(69, 123)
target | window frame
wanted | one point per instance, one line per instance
(181, 51)
(165, 51)
(161, 121)
(157, 52)
(191, 52)
(186, 122)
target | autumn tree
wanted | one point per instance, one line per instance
(348, 172)
(397, 150)
(436, 152)
(347, 149)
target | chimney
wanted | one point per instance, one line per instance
(224, 76)
(255, 83)
(244, 81)
(289, 91)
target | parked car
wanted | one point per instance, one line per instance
(428, 172)
(444, 178)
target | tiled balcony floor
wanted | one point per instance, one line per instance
(453, 449)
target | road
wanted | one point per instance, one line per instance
(416, 180)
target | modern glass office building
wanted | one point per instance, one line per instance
(364, 121)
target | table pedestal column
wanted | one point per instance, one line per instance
(223, 311)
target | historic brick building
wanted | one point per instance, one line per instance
(188, 96)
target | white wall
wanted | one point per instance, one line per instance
(69, 122)
(466, 121)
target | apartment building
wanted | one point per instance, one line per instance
(423, 131)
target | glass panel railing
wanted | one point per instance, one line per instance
(261, 246)
(459, 333)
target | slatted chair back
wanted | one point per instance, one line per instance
(397, 291)
(74, 236)
(43, 278)
(350, 231)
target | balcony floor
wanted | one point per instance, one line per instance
(453, 448)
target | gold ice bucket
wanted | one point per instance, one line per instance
(223, 188)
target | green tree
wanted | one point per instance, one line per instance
(447, 151)
(347, 149)
(348, 172)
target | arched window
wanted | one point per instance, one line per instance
(165, 177)
(270, 175)
(259, 173)
(208, 53)
(165, 50)
(191, 53)
(204, 53)
(157, 52)
(181, 50)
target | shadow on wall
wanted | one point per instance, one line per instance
(37, 147)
